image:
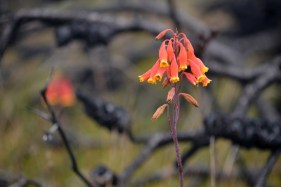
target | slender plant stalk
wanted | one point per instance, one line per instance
(173, 131)
(65, 141)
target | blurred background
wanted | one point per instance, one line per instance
(101, 47)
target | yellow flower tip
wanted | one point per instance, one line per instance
(206, 82)
(182, 68)
(201, 78)
(205, 69)
(151, 81)
(164, 64)
(158, 77)
(174, 79)
(141, 79)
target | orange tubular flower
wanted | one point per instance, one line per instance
(174, 71)
(196, 71)
(203, 68)
(182, 58)
(187, 44)
(158, 76)
(170, 51)
(190, 78)
(163, 55)
(145, 76)
(153, 72)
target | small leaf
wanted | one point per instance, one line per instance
(159, 111)
(190, 99)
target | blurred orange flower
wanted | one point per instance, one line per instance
(60, 92)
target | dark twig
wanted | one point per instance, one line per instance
(155, 142)
(190, 152)
(267, 110)
(246, 174)
(252, 90)
(148, 150)
(56, 122)
(191, 171)
(261, 179)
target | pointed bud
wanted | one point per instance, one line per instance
(171, 95)
(187, 44)
(159, 111)
(165, 82)
(170, 51)
(162, 34)
(189, 99)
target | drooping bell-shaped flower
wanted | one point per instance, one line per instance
(145, 76)
(170, 51)
(153, 72)
(190, 78)
(182, 58)
(174, 71)
(195, 69)
(163, 56)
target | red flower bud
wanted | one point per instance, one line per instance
(162, 34)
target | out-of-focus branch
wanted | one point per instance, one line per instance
(116, 24)
(251, 91)
(55, 122)
(262, 41)
(191, 171)
(158, 140)
(236, 72)
(56, 18)
(267, 110)
(261, 179)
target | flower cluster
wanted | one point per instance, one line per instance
(176, 55)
